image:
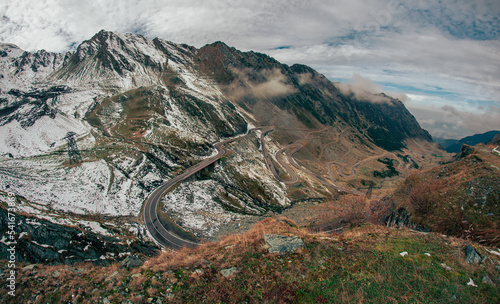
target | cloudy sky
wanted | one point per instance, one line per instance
(442, 57)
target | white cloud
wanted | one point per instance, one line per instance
(471, 66)
(363, 89)
(275, 85)
(441, 119)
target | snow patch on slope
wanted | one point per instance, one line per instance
(194, 206)
(85, 189)
(39, 138)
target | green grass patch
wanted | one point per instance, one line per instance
(390, 172)
(362, 265)
(437, 155)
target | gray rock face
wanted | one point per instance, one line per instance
(229, 271)
(132, 261)
(283, 244)
(487, 280)
(471, 255)
(29, 267)
(111, 277)
(54, 244)
(401, 218)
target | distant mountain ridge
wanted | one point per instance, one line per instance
(309, 97)
(495, 140)
(453, 145)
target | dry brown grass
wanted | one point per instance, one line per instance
(216, 251)
(455, 199)
(138, 282)
(362, 265)
(347, 211)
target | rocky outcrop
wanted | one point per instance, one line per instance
(472, 256)
(229, 271)
(283, 244)
(487, 280)
(465, 151)
(34, 104)
(401, 218)
(132, 261)
(41, 241)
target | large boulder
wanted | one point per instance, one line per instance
(132, 261)
(283, 244)
(229, 271)
(487, 280)
(471, 255)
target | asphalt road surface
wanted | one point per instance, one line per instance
(161, 235)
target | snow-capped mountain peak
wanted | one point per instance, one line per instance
(116, 61)
(20, 69)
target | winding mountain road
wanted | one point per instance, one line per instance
(340, 171)
(161, 235)
(267, 159)
(168, 239)
(279, 157)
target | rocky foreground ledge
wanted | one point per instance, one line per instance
(41, 241)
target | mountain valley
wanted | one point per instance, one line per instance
(145, 109)
(287, 149)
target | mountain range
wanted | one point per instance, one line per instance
(454, 145)
(144, 110)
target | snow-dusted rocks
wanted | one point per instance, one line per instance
(471, 283)
(92, 188)
(195, 208)
(45, 95)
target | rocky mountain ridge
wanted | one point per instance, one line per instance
(307, 96)
(120, 62)
(146, 109)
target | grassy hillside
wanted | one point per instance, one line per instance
(361, 265)
(461, 198)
